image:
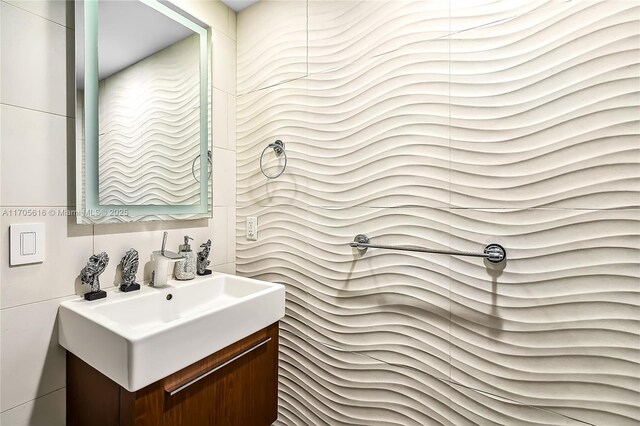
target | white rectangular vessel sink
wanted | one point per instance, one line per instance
(138, 338)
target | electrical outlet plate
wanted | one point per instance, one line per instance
(252, 228)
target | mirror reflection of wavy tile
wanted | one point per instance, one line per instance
(150, 130)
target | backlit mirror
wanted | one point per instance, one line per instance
(142, 116)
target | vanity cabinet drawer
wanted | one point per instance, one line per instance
(235, 386)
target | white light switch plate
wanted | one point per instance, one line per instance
(27, 243)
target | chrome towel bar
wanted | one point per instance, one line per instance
(494, 253)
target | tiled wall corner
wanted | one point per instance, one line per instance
(233, 21)
(36, 172)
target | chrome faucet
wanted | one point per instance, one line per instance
(161, 260)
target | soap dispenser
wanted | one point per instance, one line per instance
(186, 268)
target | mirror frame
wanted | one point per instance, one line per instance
(90, 211)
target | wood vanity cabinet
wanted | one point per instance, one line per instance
(236, 386)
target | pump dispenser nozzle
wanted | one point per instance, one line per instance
(186, 246)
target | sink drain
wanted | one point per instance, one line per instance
(169, 296)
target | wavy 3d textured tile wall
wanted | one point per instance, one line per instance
(447, 125)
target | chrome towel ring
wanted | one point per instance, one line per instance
(278, 148)
(193, 165)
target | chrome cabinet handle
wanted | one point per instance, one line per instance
(213, 370)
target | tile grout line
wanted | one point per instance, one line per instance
(225, 149)
(449, 382)
(271, 86)
(37, 110)
(39, 16)
(496, 396)
(34, 399)
(401, 48)
(20, 305)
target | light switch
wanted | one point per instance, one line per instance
(27, 242)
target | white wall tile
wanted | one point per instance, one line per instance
(58, 11)
(223, 238)
(32, 361)
(478, 408)
(68, 247)
(231, 233)
(49, 410)
(561, 310)
(272, 44)
(357, 389)
(231, 122)
(226, 268)
(29, 46)
(345, 298)
(224, 172)
(377, 132)
(552, 122)
(34, 157)
(345, 32)
(224, 62)
(466, 15)
(220, 119)
(264, 116)
(537, 104)
(282, 253)
(374, 133)
(220, 237)
(342, 32)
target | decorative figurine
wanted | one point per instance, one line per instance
(129, 269)
(203, 262)
(90, 275)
